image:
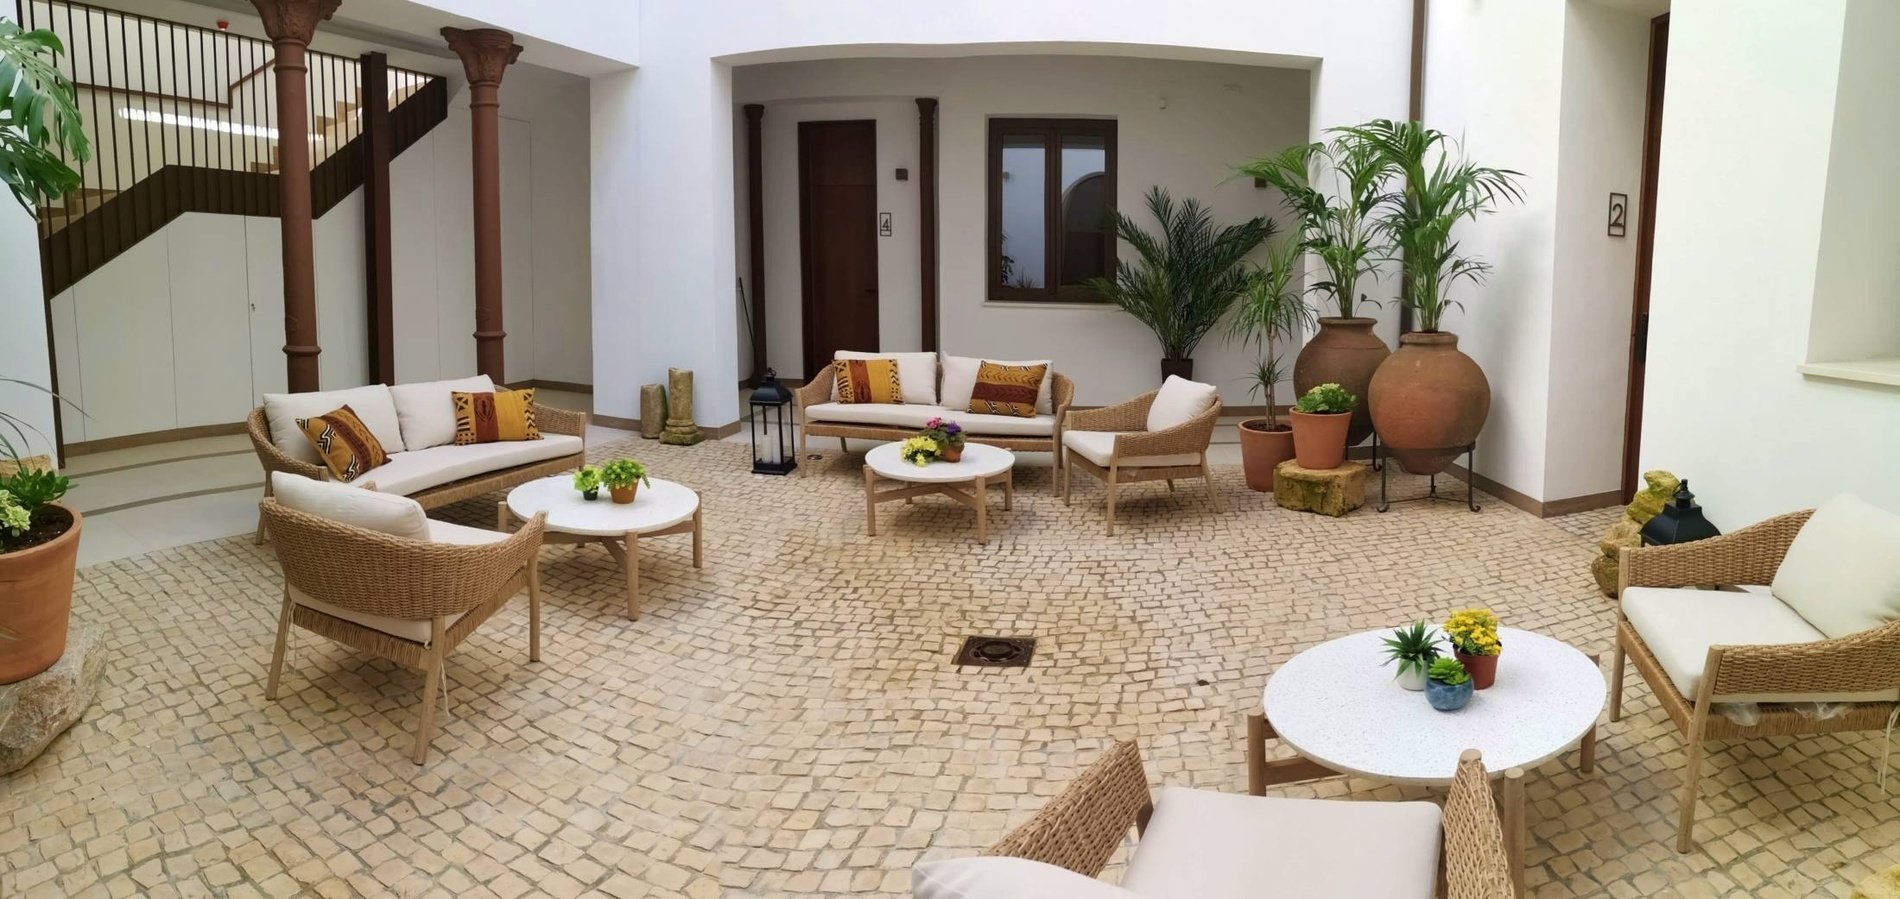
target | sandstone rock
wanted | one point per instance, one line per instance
(1628, 531)
(1660, 486)
(35, 710)
(1603, 568)
(1333, 491)
(1625, 532)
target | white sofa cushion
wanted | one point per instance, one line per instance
(1202, 844)
(1179, 401)
(1099, 446)
(426, 411)
(1842, 572)
(375, 510)
(916, 374)
(909, 416)
(1679, 626)
(413, 472)
(371, 404)
(1002, 877)
(959, 381)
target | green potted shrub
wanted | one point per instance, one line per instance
(623, 478)
(1415, 648)
(1447, 685)
(1320, 420)
(1270, 310)
(587, 481)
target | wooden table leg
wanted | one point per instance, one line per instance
(1587, 754)
(633, 574)
(501, 517)
(697, 521)
(1009, 489)
(1511, 816)
(982, 494)
(870, 502)
(1256, 754)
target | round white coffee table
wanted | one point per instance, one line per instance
(966, 481)
(661, 507)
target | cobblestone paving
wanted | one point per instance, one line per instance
(785, 721)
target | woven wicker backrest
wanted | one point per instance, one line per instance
(369, 571)
(1080, 828)
(1476, 866)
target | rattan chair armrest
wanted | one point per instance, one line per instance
(1081, 827)
(1476, 864)
(257, 427)
(1858, 663)
(1191, 436)
(1748, 556)
(818, 389)
(550, 420)
(1061, 394)
(1127, 416)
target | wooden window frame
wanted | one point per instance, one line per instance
(1052, 131)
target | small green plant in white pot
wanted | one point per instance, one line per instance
(1415, 648)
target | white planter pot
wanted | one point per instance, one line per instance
(1411, 679)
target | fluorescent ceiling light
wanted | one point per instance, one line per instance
(190, 121)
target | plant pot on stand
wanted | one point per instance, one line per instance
(1343, 352)
(1263, 445)
(36, 600)
(1429, 401)
(1319, 438)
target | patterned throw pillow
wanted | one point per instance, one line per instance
(494, 417)
(344, 442)
(869, 381)
(1007, 389)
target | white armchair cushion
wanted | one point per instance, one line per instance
(1843, 571)
(415, 630)
(1099, 447)
(916, 374)
(1179, 401)
(372, 510)
(959, 381)
(1202, 844)
(1679, 626)
(1002, 877)
(426, 411)
(372, 404)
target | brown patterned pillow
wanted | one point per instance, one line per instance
(1007, 389)
(869, 381)
(345, 443)
(493, 417)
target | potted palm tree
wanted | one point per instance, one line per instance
(39, 538)
(1271, 309)
(1338, 227)
(1429, 400)
(1185, 277)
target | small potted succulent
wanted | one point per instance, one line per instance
(920, 450)
(1415, 648)
(1447, 685)
(1320, 420)
(623, 478)
(1474, 640)
(587, 481)
(949, 437)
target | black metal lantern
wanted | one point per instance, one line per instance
(1680, 521)
(771, 404)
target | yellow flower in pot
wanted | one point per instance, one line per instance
(1474, 641)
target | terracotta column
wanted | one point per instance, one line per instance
(290, 24)
(485, 53)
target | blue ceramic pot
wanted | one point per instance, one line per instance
(1447, 698)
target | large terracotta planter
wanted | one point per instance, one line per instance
(1344, 352)
(1429, 401)
(1319, 439)
(1181, 367)
(1261, 450)
(36, 599)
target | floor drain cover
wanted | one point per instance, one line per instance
(997, 652)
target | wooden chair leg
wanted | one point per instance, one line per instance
(1170, 485)
(1207, 475)
(842, 446)
(277, 654)
(432, 678)
(1691, 774)
(1616, 682)
(1511, 816)
(1111, 497)
(534, 611)
(263, 531)
(1067, 469)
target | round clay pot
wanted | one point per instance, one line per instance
(1319, 439)
(953, 454)
(624, 495)
(1429, 401)
(1261, 450)
(1182, 367)
(1344, 352)
(36, 599)
(1483, 669)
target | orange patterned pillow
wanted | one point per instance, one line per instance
(492, 417)
(869, 381)
(345, 443)
(1007, 389)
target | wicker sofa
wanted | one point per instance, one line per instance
(415, 425)
(820, 416)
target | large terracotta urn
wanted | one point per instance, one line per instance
(1344, 352)
(1429, 401)
(1261, 450)
(36, 599)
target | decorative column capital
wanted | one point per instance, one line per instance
(754, 111)
(926, 109)
(294, 20)
(485, 52)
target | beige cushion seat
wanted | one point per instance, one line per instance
(1202, 844)
(1679, 625)
(1099, 447)
(906, 415)
(418, 470)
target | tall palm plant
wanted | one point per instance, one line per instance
(1271, 309)
(1186, 276)
(1337, 223)
(1441, 188)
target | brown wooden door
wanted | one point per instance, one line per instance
(837, 197)
(1645, 254)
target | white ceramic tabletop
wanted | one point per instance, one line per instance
(658, 505)
(1338, 705)
(978, 461)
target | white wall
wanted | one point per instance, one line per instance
(23, 350)
(1731, 300)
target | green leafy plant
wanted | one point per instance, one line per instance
(26, 496)
(624, 473)
(39, 117)
(1270, 309)
(1440, 189)
(1186, 276)
(1334, 187)
(587, 479)
(1414, 647)
(1449, 672)
(1326, 399)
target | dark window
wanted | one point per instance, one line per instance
(1052, 183)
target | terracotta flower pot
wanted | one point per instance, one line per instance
(953, 454)
(1483, 669)
(36, 599)
(1182, 367)
(1261, 450)
(1429, 401)
(1344, 352)
(624, 495)
(1319, 438)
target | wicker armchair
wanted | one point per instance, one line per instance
(1867, 662)
(1083, 825)
(441, 590)
(1136, 450)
